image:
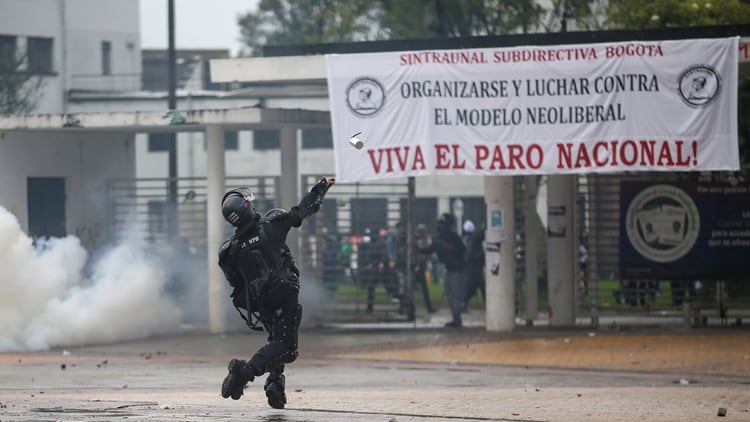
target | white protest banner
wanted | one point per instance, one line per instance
(608, 107)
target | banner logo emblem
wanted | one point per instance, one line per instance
(365, 97)
(662, 223)
(699, 86)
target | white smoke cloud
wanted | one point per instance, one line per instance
(46, 300)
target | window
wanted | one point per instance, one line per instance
(106, 58)
(40, 55)
(7, 53)
(231, 140)
(158, 142)
(266, 139)
(317, 138)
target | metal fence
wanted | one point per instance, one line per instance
(177, 238)
(140, 207)
(350, 215)
(357, 220)
(606, 291)
(602, 291)
(345, 252)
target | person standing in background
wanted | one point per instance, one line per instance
(420, 268)
(474, 241)
(450, 249)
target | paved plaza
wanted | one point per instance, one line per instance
(397, 373)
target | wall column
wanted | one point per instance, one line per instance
(561, 250)
(531, 222)
(288, 193)
(218, 290)
(500, 255)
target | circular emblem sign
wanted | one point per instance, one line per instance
(699, 86)
(662, 223)
(365, 97)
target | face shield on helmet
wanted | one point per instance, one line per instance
(237, 207)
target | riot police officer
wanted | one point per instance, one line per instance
(258, 265)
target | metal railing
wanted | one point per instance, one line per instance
(345, 247)
(331, 248)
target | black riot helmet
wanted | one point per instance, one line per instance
(237, 207)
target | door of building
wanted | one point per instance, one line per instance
(46, 204)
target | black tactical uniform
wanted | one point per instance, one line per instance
(258, 265)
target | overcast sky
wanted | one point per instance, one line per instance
(198, 23)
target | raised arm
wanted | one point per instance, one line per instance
(310, 204)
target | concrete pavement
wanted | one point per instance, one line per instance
(382, 373)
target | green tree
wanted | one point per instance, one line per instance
(19, 88)
(584, 15)
(288, 22)
(645, 14)
(406, 19)
(648, 14)
(458, 18)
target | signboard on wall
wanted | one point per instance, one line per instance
(684, 231)
(607, 107)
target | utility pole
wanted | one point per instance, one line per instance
(172, 137)
(561, 248)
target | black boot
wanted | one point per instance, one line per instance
(240, 373)
(275, 391)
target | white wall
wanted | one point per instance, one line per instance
(37, 18)
(77, 28)
(248, 161)
(87, 24)
(87, 161)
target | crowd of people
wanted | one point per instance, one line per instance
(378, 258)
